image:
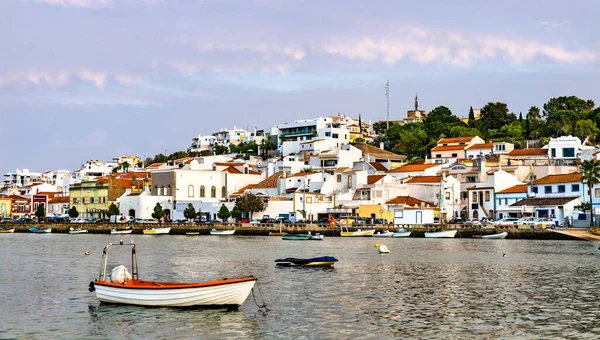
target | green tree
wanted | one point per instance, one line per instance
(125, 166)
(494, 116)
(306, 169)
(236, 213)
(534, 120)
(189, 212)
(439, 122)
(112, 210)
(471, 117)
(409, 139)
(178, 155)
(520, 117)
(40, 212)
(223, 213)
(250, 203)
(513, 131)
(561, 113)
(73, 213)
(158, 212)
(463, 131)
(303, 213)
(590, 170)
(586, 128)
(219, 149)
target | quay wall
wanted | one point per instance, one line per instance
(465, 231)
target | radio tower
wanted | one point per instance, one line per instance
(387, 94)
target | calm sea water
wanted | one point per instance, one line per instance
(425, 288)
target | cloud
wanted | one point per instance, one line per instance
(293, 52)
(92, 3)
(128, 79)
(56, 79)
(98, 78)
(550, 23)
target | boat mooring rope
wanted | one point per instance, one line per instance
(264, 305)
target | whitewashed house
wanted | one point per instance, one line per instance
(410, 210)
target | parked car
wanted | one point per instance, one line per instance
(472, 221)
(254, 221)
(456, 221)
(145, 220)
(78, 220)
(506, 221)
(281, 220)
(549, 222)
(7, 220)
(243, 220)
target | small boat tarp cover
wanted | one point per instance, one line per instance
(298, 261)
(120, 274)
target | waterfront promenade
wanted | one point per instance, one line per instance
(464, 231)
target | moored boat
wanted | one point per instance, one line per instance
(296, 237)
(401, 233)
(317, 236)
(157, 231)
(121, 287)
(222, 232)
(127, 230)
(385, 233)
(40, 231)
(441, 234)
(321, 261)
(192, 233)
(498, 236)
(7, 230)
(77, 230)
(357, 233)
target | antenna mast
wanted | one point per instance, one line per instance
(387, 94)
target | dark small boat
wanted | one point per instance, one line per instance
(321, 261)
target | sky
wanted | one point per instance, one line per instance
(95, 79)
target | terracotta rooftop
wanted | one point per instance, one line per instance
(481, 146)
(64, 199)
(455, 140)
(413, 167)
(544, 201)
(376, 152)
(449, 147)
(557, 179)
(378, 166)
(516, 189)
(232, 170)
(409, 201)
(372, 179)
(425, 179)
(302, 174)
(155, 165)
(242, 190)
(341, 169)
(529, 152)
(269, 182)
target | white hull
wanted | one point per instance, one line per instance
(157, 231)
(496, 236)
(317, 237)
(383, 234)
(358, 233)
(84, 231)
(222, 232)
(232, 294)
(401, 234)
(441, 234)
(127, 231)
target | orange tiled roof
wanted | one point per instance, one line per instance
(557, 179)
(449, 147)
(425, 179)
(528, 152)
(455, 140)
(414, 167)
(378, 166)
(516, 189)
(155, 165)
(372, 179)
(302, 174)
(269, 182)
(241, 191)
(481, 146)
(59, 200)
(232, 170)
(408, 200)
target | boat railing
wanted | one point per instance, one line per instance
(104, 261)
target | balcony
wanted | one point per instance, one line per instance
(297, 132)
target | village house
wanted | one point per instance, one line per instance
(481, 197)
(410, 210)
(505, 198)
(451, 149)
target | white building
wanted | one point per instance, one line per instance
(141, 204)
(91, 170)
(564, 148)
(410, 210)
(481, 197)
(22, 177)
(202, 143)
(233, 136)
(329, 160)
(411, 170)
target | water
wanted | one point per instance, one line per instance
(426, 288)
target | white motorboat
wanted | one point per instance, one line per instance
(441, 233)
(498, 236)
(385, 233)
(157, 231)
(222, 232)
(77, 231)
(127, 230)
(357, 233)
(317, 236)
(121, 287)
(401, 233)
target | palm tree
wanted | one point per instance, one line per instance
(590, 171)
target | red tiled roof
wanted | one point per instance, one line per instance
(529, 152)
(481, 146)
(155, 165)
(241, 191)
(232, 170)
(410, 201)
(302, 174)
(414, 167)
(516, 189)
(449, 147)
(455, 140)
(269, 182)
(59, 200)
(378, 166)
(557, 179)
(425, 179)
(372, 179)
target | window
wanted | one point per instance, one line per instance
(83, 200)
(447, 195)
(569, 152)
(548, 189)
(190, 191)
(575, 187)
(506, 201)
(464, 195)
(487, 196)
(454, 155)
(334, 135)
(327, 134)
(202, 191)
(438, 156)
(471, 179)
(534, 190)
(338, 178)
(224, 192)
(349, 181)
(91, 200)
(308, 200)
(474, 197)
(553, 152)
(561, 188)
(213, 191)
(596, 192)
(75, 200)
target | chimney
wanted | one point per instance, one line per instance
(381, 145)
